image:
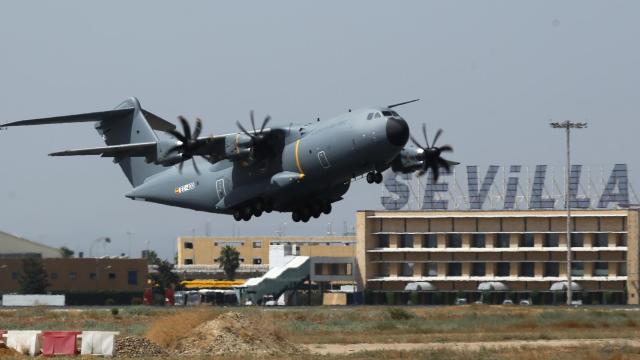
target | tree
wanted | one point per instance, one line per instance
(229, 261)
(152, 257)
(33, 279)
(164, 276)
(66, 252)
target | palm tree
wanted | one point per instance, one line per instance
(229, 261)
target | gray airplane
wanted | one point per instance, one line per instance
(301, 169)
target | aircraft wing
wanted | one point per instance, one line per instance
(147, 149)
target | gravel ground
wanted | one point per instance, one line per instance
(135, 346)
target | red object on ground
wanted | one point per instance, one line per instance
(59, 343)
(2, 332)
(169, 296)
(147, 297)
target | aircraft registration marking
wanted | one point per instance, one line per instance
(185, 187)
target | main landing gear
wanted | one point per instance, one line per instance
(315, 209)
(374, 177)
(254, 209)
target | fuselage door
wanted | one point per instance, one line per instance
(324, 162)
(220, 188)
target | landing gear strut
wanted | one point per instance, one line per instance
(374, 176)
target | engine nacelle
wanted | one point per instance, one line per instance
(162, 153)
(408, 161)
(238, 147)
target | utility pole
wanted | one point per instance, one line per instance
(567, 126)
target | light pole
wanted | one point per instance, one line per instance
(567, 126)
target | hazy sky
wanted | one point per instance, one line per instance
(491, 73)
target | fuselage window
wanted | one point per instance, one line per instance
(369, 116)
(378, 115)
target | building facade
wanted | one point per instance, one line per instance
(81, 275)
(512, 254)
(254, 250)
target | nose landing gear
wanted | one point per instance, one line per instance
(374, 176)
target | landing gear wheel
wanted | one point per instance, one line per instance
(305, 218)
(370, 177)
(316, 210)
(295, 216)
(327, 209)
(246, 213)
(377, 177)
(258, 207)
(257, 213)
(237, 215)
(268, 206)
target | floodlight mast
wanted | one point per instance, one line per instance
(568, 125)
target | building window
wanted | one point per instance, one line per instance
(430, 241)
(454, 240)
(257, 261)
(73, 275)
(54, 275)
(257, 244)
(622, 269)
(188, 245)
(577, 268)
(383, 270)
(454, 269)
(14, 275)
(112, 276)
(406, 240)
(552, 269)
(242, 259)
(577, 240)
(601, 240)
(132, 277)
(600, 269)
(503, 269)
(478, 269)
(430, 269)
(551, 240)
(188, 261)
(478, 240)
(383, 240)
(92, 276)
(526, 240)
(621, 240)
(406, 269)
(502, 240)
(526, 269)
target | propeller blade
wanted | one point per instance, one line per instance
(435, 171)
(436, 137)
(243, 129)
(416, 143)
(186, 127)
(424, 132)
(444, 164)
(264, 123)
(446, 148)
(177, 135)
(180, 167)
(195, 167)
(253, 123)
(198, 129)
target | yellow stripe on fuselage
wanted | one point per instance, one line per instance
(298, 160)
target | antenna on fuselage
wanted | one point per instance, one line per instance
(402, 103)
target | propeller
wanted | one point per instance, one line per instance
(430, 156)
(188, 142)
(259, 139)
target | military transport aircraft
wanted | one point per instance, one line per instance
(300, 169)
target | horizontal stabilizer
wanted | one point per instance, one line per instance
(87, 117)
(139, 149)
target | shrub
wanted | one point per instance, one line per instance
(115, 311)
(399, 314)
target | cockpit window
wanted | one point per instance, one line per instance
(378, 115)
(369, 116)
(390, 113)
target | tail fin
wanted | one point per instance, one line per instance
(133, 127)
(127, 123)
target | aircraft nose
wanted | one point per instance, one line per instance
(397, 131)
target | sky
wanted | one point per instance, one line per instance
(492, 74)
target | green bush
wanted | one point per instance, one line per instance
(399, 314)
(115, 311)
